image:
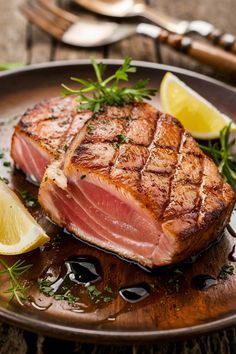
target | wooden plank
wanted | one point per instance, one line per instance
(41, 45)
(213, 11)
(138, 47)
(13, 32)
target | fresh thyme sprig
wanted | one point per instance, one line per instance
(108, 90)
(16, 288)
(220, 151)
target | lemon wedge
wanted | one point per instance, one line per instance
(197, 115)
(19, 232)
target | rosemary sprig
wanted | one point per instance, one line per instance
(108, 90)
(16, 288)
(220, 151)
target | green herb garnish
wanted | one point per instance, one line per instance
(91, 128)
(108, 289)
(97, 295)
(220, 152)
(82, 176)
(67, 296)
(30, 200)
(1, 155)
(225, 271)
(16, 288)
(6, 164)
(94, 293)
(121, 140)
(108, 90)
(45, 287)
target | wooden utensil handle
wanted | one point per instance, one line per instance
(208, 54)
(226, 41)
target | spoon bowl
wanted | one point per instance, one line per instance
(114, 8)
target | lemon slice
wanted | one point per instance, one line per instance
(19, 232)
(196, 114)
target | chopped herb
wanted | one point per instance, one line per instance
(65, 147)
(97, 295)
(16, 288)
(225, 271)
(121, 140)
(94, 293)
(30, 200)
(45, 287)
(83, 177)
(91, 128)
(108, 90)
(6, 164)
(67, 296)
(65, 122)
(107, 298)
(1, 155)
(45, 178)
(220, 151)
(129, 119)
(108, 289)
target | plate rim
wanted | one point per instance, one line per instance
(138, 63)
(54, 329)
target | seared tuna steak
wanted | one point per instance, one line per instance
(44, 132)
(134, 182)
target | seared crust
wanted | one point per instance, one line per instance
(51, 124)
(150, 155)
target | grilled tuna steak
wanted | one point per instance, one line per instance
(44, 132)
(136, 183)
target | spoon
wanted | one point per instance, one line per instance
(131, 8)
(76, 31)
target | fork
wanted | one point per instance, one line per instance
(76, 31)
(132, 8)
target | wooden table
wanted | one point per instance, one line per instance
(21, 42)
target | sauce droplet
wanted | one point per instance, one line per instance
(83, 269)
(203, 281)
(135, 293)
(231, 230)
(232, 255)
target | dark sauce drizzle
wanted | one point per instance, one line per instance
(203, 281)
(231, 230)
(80, 270)
(135, 293)
(83, 269)
(232, 255)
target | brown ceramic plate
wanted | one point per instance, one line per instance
(174, 308)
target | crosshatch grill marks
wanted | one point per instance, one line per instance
(168, 206)
(167, 174)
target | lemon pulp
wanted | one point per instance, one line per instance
(196, 114)
(19, 231)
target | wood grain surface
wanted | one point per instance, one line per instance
(21, 42)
